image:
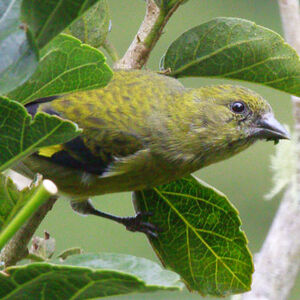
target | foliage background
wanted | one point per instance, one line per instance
(245, 179)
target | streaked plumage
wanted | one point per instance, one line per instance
(144, 130)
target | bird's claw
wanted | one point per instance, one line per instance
(136, 224)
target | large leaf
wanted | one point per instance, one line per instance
(92, 28)
(238, 49)
(86, 276)
(66, 66)
(200, 236)
(18, 53)
(20, 136)
(48, 18)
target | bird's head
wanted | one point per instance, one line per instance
(235, 117)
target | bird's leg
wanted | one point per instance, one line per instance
(134, 223)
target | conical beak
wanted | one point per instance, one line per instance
(270, 129)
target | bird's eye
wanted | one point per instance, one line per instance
(238, 107)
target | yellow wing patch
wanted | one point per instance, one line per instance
(49, 151)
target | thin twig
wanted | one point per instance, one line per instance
(17, 248)
(277, 264)
(148, 34)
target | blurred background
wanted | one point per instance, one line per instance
(245, 179)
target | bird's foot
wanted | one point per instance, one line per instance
(136, 223)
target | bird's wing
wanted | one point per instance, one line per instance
(98, 150)
(96, 156)
(130, 164)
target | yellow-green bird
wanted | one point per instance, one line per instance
(144, 130)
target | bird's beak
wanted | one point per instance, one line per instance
(269, 128)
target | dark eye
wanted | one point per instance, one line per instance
(238, 107)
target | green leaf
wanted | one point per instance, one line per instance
(201, 238)
(66, 66)
(12, 200)
(92, 28)
(20, 136)
(18, 53)
(48, 18)
(86, 276)
(238, 49)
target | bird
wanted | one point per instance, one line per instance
(145, 129)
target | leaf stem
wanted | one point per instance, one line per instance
(43, 193)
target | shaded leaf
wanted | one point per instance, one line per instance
(20, 136)
(18, 53)
(66, 66)
(12, 199)
(201, 238)
(92, 28)
(238, 49)
(48, 18)
(86, 276)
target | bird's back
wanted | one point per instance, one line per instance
(130, 93)
(115, 122)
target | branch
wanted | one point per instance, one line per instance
(277, 264)
(289, 11)
(16, 249)
(148, 34)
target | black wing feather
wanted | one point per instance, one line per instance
(75, 154)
